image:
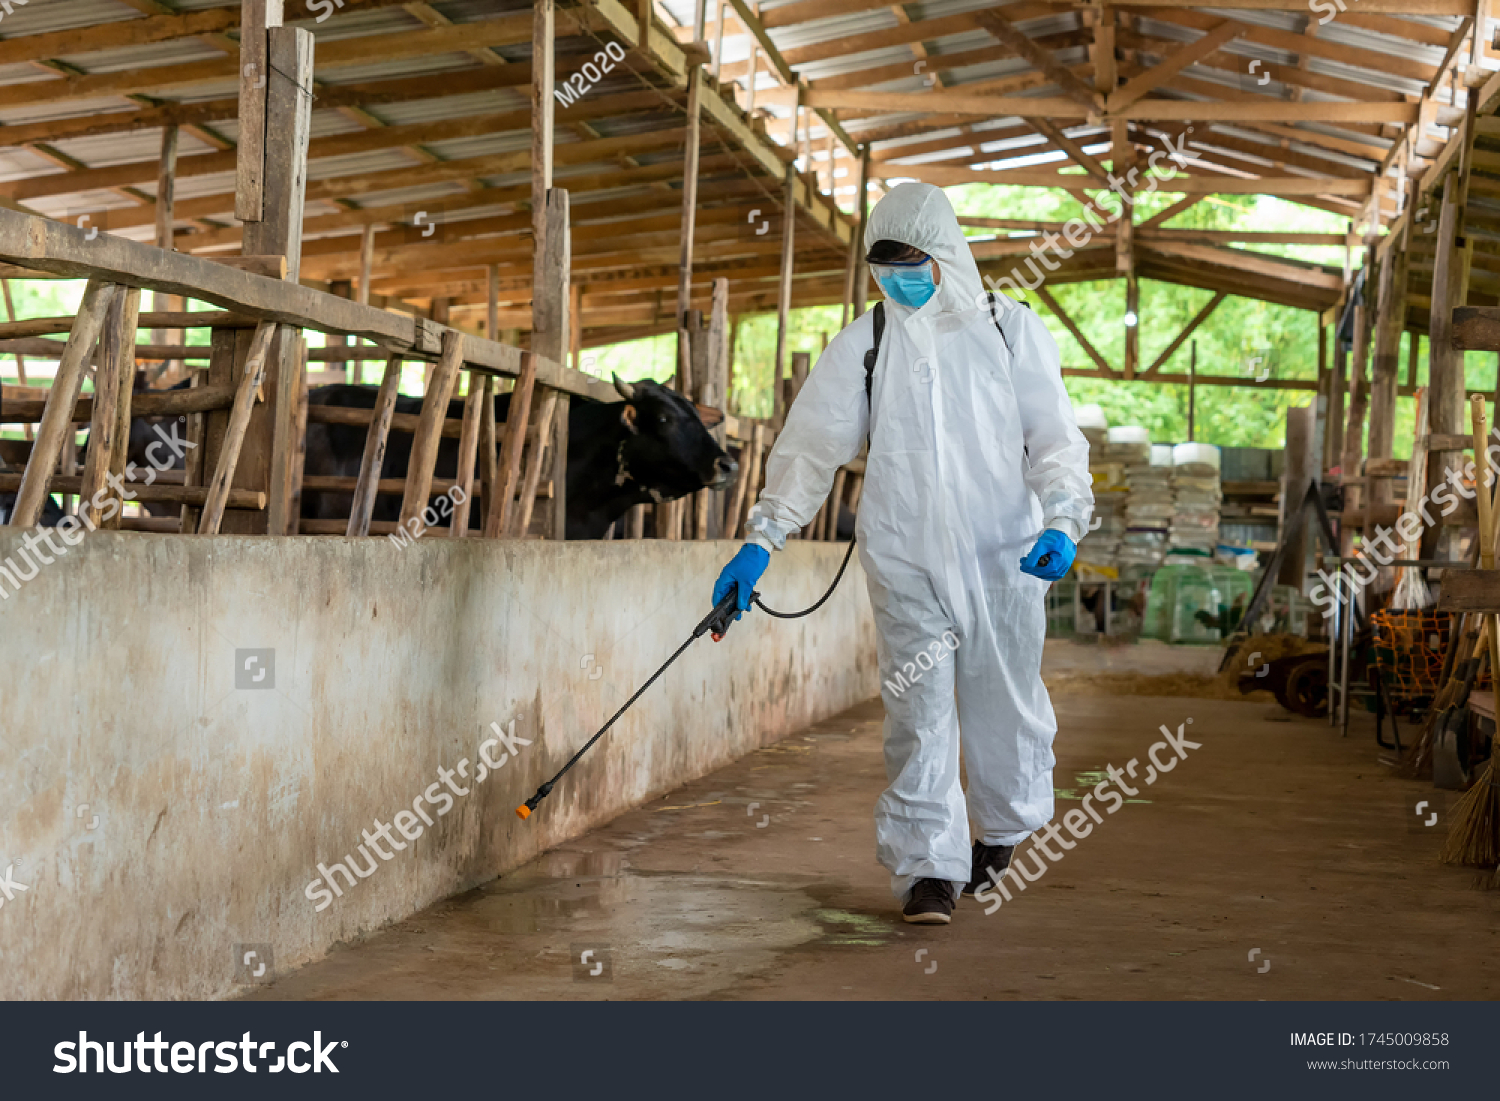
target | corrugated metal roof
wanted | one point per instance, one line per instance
(978, 144)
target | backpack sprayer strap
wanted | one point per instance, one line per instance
(874, 353)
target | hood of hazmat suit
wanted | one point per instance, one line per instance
(974, 450)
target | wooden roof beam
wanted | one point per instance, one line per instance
(1040, 58)
(958, 103)
(1178, 60)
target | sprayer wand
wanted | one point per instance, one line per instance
(716, 622)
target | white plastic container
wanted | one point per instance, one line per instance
(1091, 416)
(1196, 458)
(1129, 434)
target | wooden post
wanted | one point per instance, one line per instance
(1445, 367)
(685, 381)
(1354, 432)
(424, 445)
(751, 477)
(1132, 331)
(268, 455)
(1297, 476)
(56, 427)
(536, 461)
(558, 520)
(224, 347)
(468, 449)
(836, 505)
(712, 393)
(1385, 370)
(234, 433)
(438, 314)
(10, 315)
(856, 488)
(575, 326)
(801, 368)
(1333, 440)
(299, 435)
(363, 505)
(257, 17)
(750, 81)
(498, 513)
(551, 267)
(492, 304)
(784, 288)
(353, 369)
(101, 446)
(549, 339)
(121, 343)
(488, 468)
(543, 75)
(861, 268)
(719, 42)
(166, 188)
(367, 263)
(1321, 403)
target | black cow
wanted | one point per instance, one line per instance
(653, 446)
(146, 450)
(51, 514)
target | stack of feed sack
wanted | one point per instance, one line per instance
(1148, 508)
(1096, 550)
(1095, 428)
(1199, 497)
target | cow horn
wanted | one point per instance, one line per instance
(626, 390)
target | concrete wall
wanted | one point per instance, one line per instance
(215, 804)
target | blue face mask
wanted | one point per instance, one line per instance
(909, 286)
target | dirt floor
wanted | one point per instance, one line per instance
(1277, 861)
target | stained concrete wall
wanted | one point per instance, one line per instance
(216, 804)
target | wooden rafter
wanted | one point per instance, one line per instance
(1083, 342)
(1137, 87)
(1016, 39)
(1187, 331)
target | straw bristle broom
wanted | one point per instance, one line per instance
(1474, 837)
(1463, 639)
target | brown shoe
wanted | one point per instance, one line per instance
(930, 903)
(988, 862)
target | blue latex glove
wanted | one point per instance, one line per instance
(744, 571)
(1059, 551)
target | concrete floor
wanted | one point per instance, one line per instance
(759, 882)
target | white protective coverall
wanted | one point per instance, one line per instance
(974, 449)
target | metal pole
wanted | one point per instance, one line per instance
(1192, 385)
(1348, 625)
(1334, 688)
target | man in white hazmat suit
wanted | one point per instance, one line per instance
(975, 461)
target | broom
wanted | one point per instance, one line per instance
(1474, 837)
(1464, 651)
(1463, 638)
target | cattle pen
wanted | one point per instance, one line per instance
(345, 495)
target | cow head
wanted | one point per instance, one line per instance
(667, 446)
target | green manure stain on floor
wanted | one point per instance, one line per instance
(858, 929)
(1086, 782)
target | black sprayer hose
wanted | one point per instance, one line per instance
(717, 622)
(848, 554)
